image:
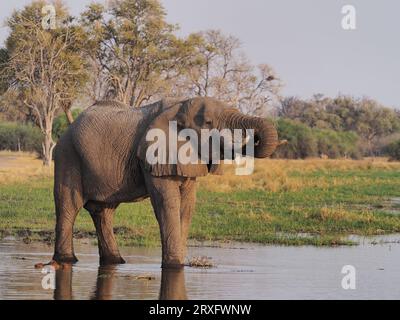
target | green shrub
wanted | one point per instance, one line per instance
(305, 142)
(393, 150)
(337, 144)
(301, 141)
(19, 137)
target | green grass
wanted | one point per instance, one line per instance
(320, 208)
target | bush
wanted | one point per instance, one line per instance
(393, 150)
(301, 141)
(337, 144)
(19, 137)
(305, 142)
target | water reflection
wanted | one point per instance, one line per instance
(63, 290)
(172, 284)
(104, 283)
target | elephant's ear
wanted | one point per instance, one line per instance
(179, 113)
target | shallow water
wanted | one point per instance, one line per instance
(243, 272)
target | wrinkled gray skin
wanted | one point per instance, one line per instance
(100, 163)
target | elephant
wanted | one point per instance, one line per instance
(100, 162)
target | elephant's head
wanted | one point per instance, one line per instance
(205, 113)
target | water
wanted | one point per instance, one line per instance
(242, 272)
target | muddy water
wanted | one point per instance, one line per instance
(242, 272)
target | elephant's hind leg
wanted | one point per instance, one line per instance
(68, 202)
(102, 217)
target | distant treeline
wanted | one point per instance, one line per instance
(337, 127)
(20, 137)
(15, 136)
(342, 127)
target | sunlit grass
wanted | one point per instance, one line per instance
(20, 167)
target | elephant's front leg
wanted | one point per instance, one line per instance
(188, 201)
(165, 198)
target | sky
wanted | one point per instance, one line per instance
(303, 40)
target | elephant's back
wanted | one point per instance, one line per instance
(105, 130)
(106, 137)
(111, 128)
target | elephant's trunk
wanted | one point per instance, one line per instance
(265, 134)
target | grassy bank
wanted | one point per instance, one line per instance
(316, 202)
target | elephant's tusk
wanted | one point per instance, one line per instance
(282, 142)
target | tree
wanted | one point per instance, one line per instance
(292, 108)
(369, 119)
(45, 68)
(375, 121)
(393, 150)
(366, 117)
(223, 71)
(132, 51)
(61, 123)
(301, 141)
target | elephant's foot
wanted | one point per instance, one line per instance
(65, 258)
(111, 259)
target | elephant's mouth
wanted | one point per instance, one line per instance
(257, 140)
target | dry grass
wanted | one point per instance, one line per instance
(288, 175)
(270, 175)
(19, 167)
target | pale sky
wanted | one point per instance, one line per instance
(301, 39)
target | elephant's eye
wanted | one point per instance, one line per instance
(209, 122)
